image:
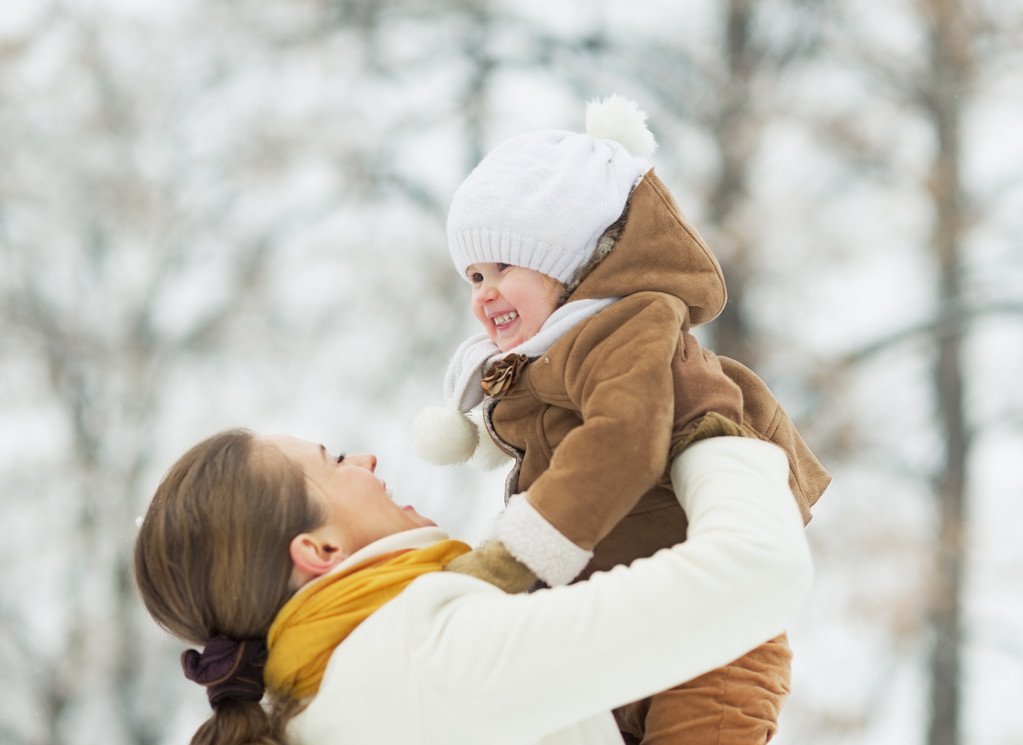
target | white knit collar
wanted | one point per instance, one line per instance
(406, 539)
(465, 371)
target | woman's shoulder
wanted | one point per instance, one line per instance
(397, 642)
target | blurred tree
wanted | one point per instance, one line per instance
(929, 79)
(99, 250)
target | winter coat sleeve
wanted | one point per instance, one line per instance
(635, 378)
(618, 375)
(453, 654)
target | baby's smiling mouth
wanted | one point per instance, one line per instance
(502, 319)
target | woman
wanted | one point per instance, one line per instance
(295, 568)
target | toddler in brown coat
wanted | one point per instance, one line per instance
(587, 280)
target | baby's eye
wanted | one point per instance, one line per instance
(501, 267)
(475, 278)
(341, 458)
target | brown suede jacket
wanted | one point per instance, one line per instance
(593, 422)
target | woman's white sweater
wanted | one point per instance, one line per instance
(453, 660)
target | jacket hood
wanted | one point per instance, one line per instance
(658, 250)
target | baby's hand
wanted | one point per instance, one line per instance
(492, 563)
(707, 402)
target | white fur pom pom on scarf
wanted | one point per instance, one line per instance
(620, 119)
(488, 455)
(444, 436)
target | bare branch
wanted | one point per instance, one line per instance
(950, 322)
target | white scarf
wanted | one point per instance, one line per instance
(477, 353)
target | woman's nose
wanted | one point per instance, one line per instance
(362, 460)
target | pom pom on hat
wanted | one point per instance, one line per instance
(444, 436)
(620, 119)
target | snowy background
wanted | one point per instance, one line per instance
(229, 212)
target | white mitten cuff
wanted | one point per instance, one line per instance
(531, 539)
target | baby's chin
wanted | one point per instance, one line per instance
(497, 341)
(506, 344)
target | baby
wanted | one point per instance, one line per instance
(587, 280)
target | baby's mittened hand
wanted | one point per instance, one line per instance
(492, 563)
(707, 402)
(711, 424)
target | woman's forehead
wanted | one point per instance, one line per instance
(295, 447)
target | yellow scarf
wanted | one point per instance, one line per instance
(314, 621)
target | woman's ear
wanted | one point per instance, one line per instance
(313, 556)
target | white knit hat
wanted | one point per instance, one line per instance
(542, 200)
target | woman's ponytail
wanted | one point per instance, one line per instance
(238, 723)
(212, 566)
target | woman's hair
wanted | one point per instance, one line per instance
(212, 557)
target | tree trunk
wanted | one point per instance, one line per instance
(735, 141)
(944, 99)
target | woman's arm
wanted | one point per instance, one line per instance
(518, 667)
